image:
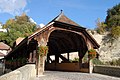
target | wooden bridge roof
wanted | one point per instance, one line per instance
(62, 18)
(64, 22)
(61, 21)
(57, 38)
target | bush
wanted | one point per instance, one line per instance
(75, 60)
(118, 62)
(114, 62)
(115, 32)
(97, 61)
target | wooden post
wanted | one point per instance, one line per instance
(56, 58)
(3, 66)
(68, 56)
(30, 57)
(34, 56)
(80, 59)
(48, 58)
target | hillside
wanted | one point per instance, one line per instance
(109, 49)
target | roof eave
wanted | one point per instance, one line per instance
(22, 42)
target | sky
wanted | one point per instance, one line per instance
(83, 12)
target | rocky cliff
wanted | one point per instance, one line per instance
(109, 49)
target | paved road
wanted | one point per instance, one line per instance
(57, 75)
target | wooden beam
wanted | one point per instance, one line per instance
(30, 57)
(34, 56)
(80, 59)
(56, 58)
(68, 56)
(63, 58)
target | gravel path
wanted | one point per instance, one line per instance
(57, 75)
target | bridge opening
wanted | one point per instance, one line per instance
(61, 45)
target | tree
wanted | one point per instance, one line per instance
(113, 16)
(113, 20)
(101, 26)
(21, 26)
(115, 32)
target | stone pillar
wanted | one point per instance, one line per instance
(40, 65)
(90, 66)
(90, 60)
(41, 59)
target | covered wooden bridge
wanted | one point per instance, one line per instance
(61, 35)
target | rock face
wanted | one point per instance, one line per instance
(109, 49)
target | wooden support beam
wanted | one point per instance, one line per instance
(48, 59)
(68, 56)
(63, 58)
(34, 56)
(57, 58)
(48, 56)
(80, 59)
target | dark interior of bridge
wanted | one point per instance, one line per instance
(65, 42)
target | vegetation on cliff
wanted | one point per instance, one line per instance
(112, 22)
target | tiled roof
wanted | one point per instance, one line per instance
(1, 54)
(62, 18)
(18, 40)
(4, 46)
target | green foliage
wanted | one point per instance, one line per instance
(118, 62)
(18, 27)
(112, 22)
(115, 32)
(114, 62)
(42, 50)
(91, 51)
(101, 26)
(97, 61)
(113, 16)
(85, 58)
(76, 59)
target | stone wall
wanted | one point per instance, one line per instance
(27, 72)
(108, 70)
